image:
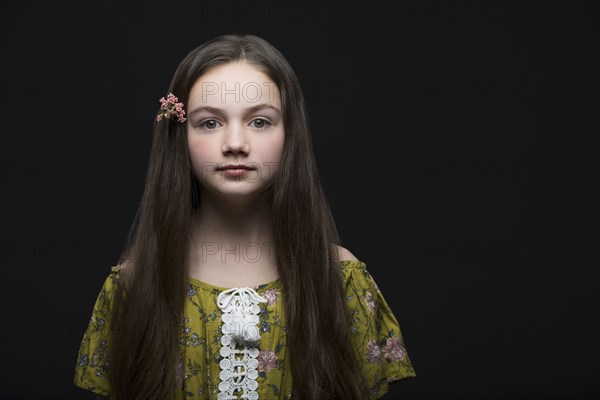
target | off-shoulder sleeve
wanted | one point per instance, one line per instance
(375, 330)
(91, 370)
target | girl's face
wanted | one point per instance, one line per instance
(234, 116)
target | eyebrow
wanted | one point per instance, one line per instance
(220, 112)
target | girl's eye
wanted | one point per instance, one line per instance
(212, 123)
(211, 126)
(262, 124)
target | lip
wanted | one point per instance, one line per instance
(235, 167)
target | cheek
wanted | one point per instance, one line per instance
(201, 155)
(271, 155)
(275, 149)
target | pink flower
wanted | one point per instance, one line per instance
(266, 360)
(373, 352)
(171, 107)
(271, 295)
(394, 349)
(370, 301)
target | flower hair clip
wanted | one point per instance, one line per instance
(171, 107)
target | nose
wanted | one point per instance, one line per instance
(234, 140)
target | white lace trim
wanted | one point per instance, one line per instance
(239, 308)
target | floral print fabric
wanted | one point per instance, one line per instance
(375, 334)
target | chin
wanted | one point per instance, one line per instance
(239, 192)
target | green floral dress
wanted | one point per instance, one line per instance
(375, 333)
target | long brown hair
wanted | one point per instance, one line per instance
(149, 306)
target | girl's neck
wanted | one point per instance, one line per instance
(232, 222)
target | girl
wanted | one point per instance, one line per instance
(233, 283)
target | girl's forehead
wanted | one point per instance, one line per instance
(232, 74)
(234, 83)
(238, 68)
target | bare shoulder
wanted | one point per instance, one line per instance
(125, 265)
(345, 254)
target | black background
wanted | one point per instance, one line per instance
(457, 143)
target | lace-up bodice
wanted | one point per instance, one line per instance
(239, 307)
